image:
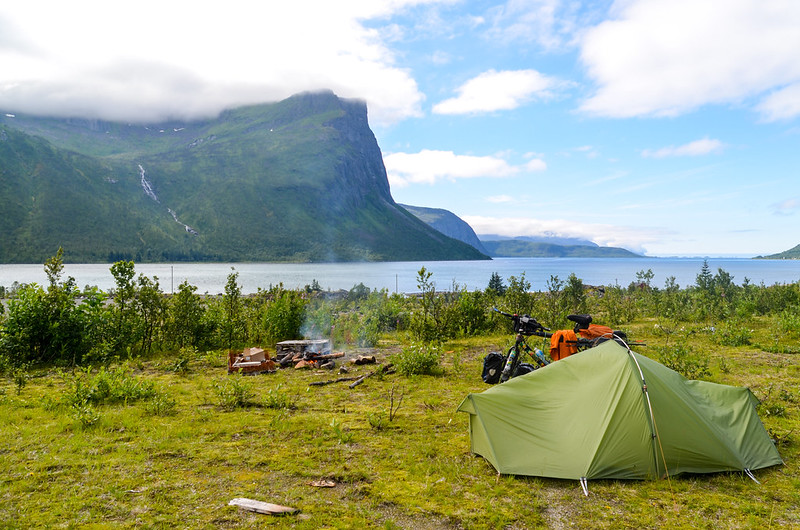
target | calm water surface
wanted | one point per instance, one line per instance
(402, 276)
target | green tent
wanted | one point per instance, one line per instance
(609, 412)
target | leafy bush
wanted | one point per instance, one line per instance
(788, 321)
(161, 405)
(233, 392)
(419, 359)
(85, 414)
(186, 324)
(277, 399)
(180, 365)
(43, 326)
(342, 433)
(282, 315)
(683, 360)
(733, 333)
(106, 387)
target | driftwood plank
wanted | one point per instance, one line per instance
(262, 507)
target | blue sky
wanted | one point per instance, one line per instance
(668, 127)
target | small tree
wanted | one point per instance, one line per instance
(575, 294)
(44, 326)
(150, 305)
(124, 310)
(555, 301)
(283, 315)
(233, 324)
(185, 321)
(496, 285)
(518, 298)
(430, 320)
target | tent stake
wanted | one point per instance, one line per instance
(750, 474)
(584, 486)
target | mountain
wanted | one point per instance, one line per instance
(555, 240)
(518, 248)
(792, 253)
(447, 223)
(300, 180)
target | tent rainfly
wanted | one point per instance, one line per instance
(611, 413)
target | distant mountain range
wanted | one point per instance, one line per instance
(521, 248)
(447, 223)
(518, 247)
(300, 180)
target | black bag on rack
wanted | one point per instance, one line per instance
(492, 367)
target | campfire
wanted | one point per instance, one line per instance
(306, 354)
(290, 353)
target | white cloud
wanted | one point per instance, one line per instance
(787, 206)
(782, 104)
(535, 165)
(632, 238)
(428, 167)
(668, 57)
(550, 24)
(493, 90)
(704, 146)
(152, 60)
(500, 199)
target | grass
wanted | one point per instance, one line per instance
(175, 456)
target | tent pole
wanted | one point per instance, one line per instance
(651, 417)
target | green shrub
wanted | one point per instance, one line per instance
(683, 360)
(161, 405)
(376, 420)
(342, 433)
(233, 392)
(733, 333)
(116, 385)
(282, 315)
(181, 360)
(85, 414)
(788, 321)
(419, 359)
(277, 399)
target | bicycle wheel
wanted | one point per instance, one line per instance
(524, 368)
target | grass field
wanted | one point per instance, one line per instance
(168, 442)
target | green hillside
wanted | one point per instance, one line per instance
(299, 180)
(515, 248)
(447, 223)
(792, 253)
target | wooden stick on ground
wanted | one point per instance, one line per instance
(262, 507)
(387, 369)
(331, 381)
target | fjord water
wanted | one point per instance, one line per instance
(402, 276)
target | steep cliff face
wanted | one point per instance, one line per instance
(298, 180)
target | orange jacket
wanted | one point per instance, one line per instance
(563, 343)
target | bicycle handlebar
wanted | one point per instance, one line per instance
(525, 324)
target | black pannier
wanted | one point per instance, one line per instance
(492, 367)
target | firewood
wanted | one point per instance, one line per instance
(323, 356)
(364, 360)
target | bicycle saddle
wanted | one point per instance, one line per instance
(581, 321)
